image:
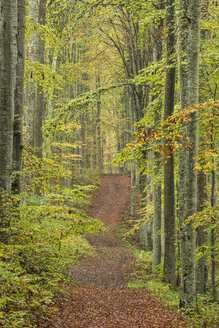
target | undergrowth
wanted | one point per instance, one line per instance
(46, 237)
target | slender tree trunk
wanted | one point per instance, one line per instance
(188, 238)
(99, 152)
(32, 85)
(128, 122)
(149, 204)
(18, 111)
(157, 56)
(157, 207)
(183, 69)
(40, 105)
(169, 197)
(51, 103)
(8, 60)
(133, 188)
(94, 142)
(146, 200)
(202, 237)
(35, 92)
(183, 43)
(202, 270)
(213, 234)
(134, 165)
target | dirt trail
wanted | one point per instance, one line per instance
(111, 199)
(101, 299)
(112, 264)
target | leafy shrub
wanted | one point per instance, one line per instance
(45, 242)
(48, 223)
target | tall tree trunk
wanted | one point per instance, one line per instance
(157, 206)
(202, 236)
(8, 60)
(134, 165)
(40, 105)
(146, 200)
(94, 141)
(169, 197)
(202, 270)
(183, 43)
(32, 85)
(99, 152)
(213, 234)
(35, 92)
(157, 56)
(51, 103)
(188, 238)
(133, 188)
(18, 110)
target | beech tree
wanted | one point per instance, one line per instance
(188, 240)
(201, 270)
(169, 193)
(157, 56)
(8, 60)
(35, 96)
(19, 99)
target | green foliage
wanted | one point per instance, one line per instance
(144, 261)
(207, 313)
(47, 230)
(23, 292)
(207, 218)
(150, 139)
(91, 176)
(45, 241)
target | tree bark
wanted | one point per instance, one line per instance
(188, 238)
(32, 85)
(19, 103)
(213, 239)
(202, 269)
(169, 195)
(35, 92)
(133, 188)
(157, 56)
(99, 146)
(8, 60)
(146, 200)
(183, 43)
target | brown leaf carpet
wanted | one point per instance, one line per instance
(101, 299)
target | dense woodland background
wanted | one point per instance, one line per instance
(90, 87)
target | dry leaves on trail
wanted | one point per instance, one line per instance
(111, 199)
(112, 308)
(111, 267)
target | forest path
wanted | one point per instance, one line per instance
(101, 299)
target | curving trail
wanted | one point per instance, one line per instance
(101, 299)
(112, 265)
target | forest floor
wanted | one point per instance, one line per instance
(100, 297)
